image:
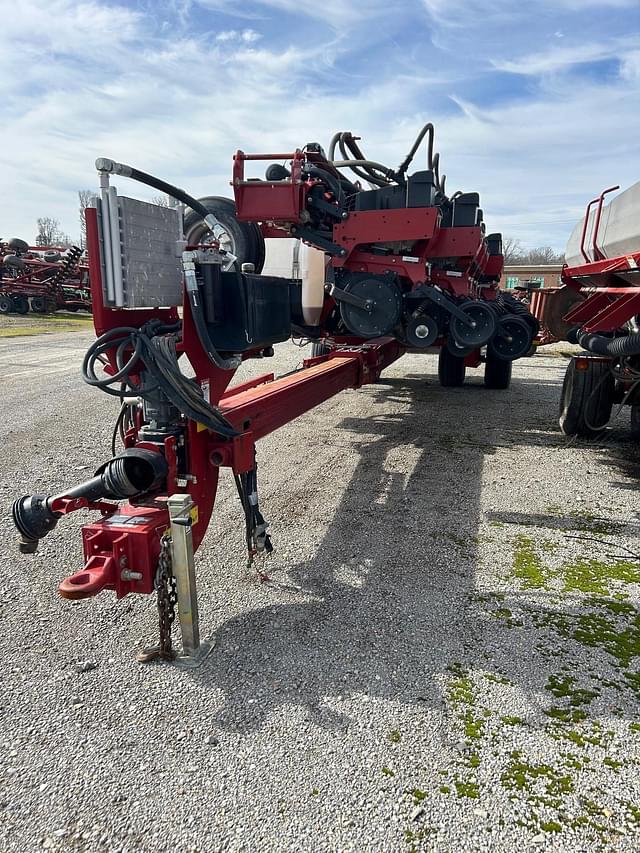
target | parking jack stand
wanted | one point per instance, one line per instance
(180, 508)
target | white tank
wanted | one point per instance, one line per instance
(618, 231)
(290, 258)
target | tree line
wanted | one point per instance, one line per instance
(515, 254)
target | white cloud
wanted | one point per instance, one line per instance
(246, 36)
(557, 58)
(333, 13)
(105, 80)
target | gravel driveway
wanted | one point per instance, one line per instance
(445, 658)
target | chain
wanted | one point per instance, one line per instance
(165, 585)
(167, 598)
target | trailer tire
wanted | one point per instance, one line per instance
(39, 305)
(451, 369)
(497, 372)
(587, 399)
(20, 304)
(243, 239)
(6, 305)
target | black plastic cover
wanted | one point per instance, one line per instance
(419, 191)
(244, 311)
(465, 210)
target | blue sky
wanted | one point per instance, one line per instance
(536, 105)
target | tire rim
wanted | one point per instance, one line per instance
(220, 233)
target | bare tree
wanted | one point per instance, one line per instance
(512, 250)
(85, 198)
(160, 200)
(543, 255)
(515, 254)
(49, 233)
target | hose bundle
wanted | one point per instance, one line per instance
(153, 346)
(377, 174)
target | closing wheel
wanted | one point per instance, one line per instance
(587, 397)
(422, 331)
(451, 369)
(6, 305)
(476, 335)
(242, 239)
(512, 339)
(497, 372)
(20, 304)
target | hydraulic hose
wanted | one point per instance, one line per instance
(104, 164)
(601, 345)
(428, 128)
(369, 164)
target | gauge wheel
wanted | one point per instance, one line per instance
(451, 369)
(242, 239)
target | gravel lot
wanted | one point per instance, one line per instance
(445, 659)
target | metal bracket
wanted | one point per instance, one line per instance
(310, 235)
(341, 295)
(442, 301)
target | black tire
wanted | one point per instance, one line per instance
(587, 398)
(39, 305)
(635, 422)
(319, 348)
(243, 239)
(6, 305)
(20, 304)
(18, 245)
(497, 372)
(451, 369)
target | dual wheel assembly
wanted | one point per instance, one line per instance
(452, 369)
(13, 304)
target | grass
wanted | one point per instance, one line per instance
(44, 324)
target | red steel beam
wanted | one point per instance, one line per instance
(266, 408)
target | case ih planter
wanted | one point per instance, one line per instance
(394, 265)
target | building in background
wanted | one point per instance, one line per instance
(531, 275)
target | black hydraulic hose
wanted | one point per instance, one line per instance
(601, 345)
(203, 334)
(348, 146)
(103, 164)
(428, 128)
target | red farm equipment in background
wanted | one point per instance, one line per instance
(393, 264)
(598, 307)
(43, 279)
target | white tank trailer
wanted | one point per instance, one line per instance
(618, 230)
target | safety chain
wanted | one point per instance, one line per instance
(167, 598)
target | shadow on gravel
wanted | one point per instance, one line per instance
(393, 578)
